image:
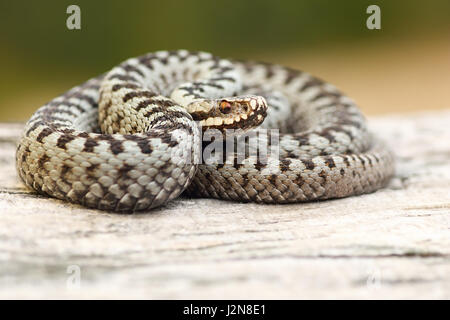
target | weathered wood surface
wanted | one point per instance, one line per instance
(394, 243)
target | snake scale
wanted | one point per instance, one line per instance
(131, 139)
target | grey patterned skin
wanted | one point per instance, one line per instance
(129, 140)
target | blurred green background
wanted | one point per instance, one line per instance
(405, 66)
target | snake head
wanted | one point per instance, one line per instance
(242, 112)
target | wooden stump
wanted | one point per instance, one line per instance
(394, 243)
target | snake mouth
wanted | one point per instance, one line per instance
(235, 113)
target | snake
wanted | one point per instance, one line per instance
(136, 137)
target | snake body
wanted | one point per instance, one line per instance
(131, 139)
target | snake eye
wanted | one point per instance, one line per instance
(225, 107)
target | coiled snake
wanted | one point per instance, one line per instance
(131, 139)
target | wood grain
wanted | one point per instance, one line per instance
(394, 243)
